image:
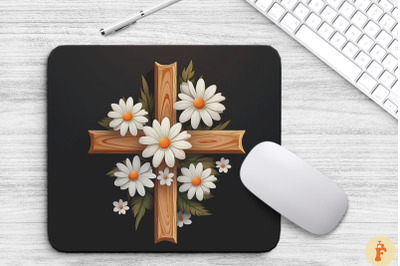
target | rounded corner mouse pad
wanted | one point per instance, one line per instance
(145, 144)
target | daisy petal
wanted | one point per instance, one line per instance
(123, 187)
(187, 173)
(136, 163)
(121, 181)
(210, 91)
(140, 188)
(181, 144)
(184, 179)
(181, 105)
(144, 168)
(199, 169)
(217, 107)
(117, 108)
(191, 192)
(115, 203)
(214, 115)
(199, 193)
(145, 140)
(136, 108)
(122, 167)
(148, 175)
(185, 187)
(129, 104)
(206, 117)
(149, 151)
(157, 128)
(124, 129)
(122, 105)
(140, 119)
(216, 98)
(182, 136)
(132, 128)
(195, 119)
(186, 115)
(128, 164)
(205, 189)
(187, 221)
(206, 173)
(149, 131)
(120, 174)
(179, 154)
(209, 184)
(192, 169)
(115, 122)
(169, 158)
(186, 216)
(114, 114)
(165, 126)
(185, 88)
(210, 179)
(184, 97)
(174, 131)
(132, 189)
(191, 89)
(200, 88)
(116, 209)
(158, 157)
(146, 182)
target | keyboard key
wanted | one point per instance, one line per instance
(362, 4)
(362, 59)
(263, 4)
(313, 21)
(390, 62)
(328, 14)
(378, 52)
(365, 43)
(390, 105)
(366, 82)
(335, 3)
(333, 57)
(380, 93)
(387, 22)
(289, 4)
(386, 5)
(350, 50)
(395, 30)
(290, 22)
(387, 79)
(375, 12)
(353, 33)
(395, 13)
(395, 88)
(371, 29)
(341, 23)
(301, 11)
(384, 38)
(374, 69)
(347, 9)
(394, 47)
(359, 19)
(338, 40)
(316, 5)
(325, 30)
(276, 11)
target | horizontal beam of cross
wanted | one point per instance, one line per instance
(220, 141)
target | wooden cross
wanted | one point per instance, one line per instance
(203, 142)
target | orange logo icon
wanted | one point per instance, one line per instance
(380, 250)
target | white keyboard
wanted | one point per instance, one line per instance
(357, 38)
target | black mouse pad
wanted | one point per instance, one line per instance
(145, 145)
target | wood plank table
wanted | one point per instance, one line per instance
(325, 120)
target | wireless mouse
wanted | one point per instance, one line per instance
(293, 188)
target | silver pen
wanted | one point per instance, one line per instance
(132, 19)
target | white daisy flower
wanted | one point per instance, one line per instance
(126, 116)
(223, 165)
(134, 177)
(200, 104)
(165, 141)
(120, 206)
(165, 177)
(183, 218)
(195, 180)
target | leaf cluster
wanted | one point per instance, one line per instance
(191, 206)
(187, 74)
(140, 205)
(147, 100)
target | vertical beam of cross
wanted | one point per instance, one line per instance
(165, 209)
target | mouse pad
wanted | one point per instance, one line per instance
(145, 145)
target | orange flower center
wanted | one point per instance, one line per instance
(127, 116)
(199, 103)
(180, 218)
(165, 177)
(196, 181)
(164, 142)
(121, 207)
(133, 175)
(222, 165)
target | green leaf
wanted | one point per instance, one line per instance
(112, 172)
(191, 206)
(221, 126)
(140, 205)
(187, 73)
(208, 162)
(147, 100)
(105, 122)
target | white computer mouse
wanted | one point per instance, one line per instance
(293, 188)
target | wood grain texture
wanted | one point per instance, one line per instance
(211, 142)
(165, 207)
(325, 120)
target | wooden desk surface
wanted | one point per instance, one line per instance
(326, 121)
